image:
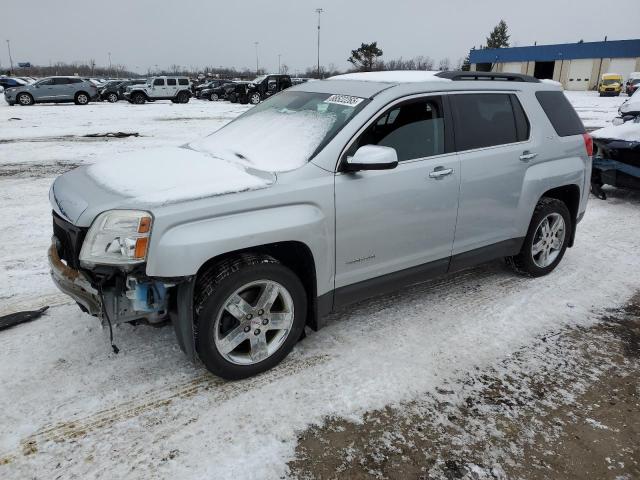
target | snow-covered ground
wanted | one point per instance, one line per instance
(72, 409)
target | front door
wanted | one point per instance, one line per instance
(159, 88)
(44, 90)
(393, 220)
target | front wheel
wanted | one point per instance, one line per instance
(138, 98)
(546, 241)
(25, 99)
(214, 97)
(251, 310)
(254, 98)
(112, 97)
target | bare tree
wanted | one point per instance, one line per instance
(444, 65)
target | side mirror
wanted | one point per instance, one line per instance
(372, 157)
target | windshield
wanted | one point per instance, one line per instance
(635, 81)
(259, 79)
(284, 132)
(610, 81)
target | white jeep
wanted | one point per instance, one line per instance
(176, 89)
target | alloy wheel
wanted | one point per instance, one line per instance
(254, 322)
(548, 240)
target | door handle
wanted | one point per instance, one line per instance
(440, 172)
(527, 155)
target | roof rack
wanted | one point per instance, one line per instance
(495, 76)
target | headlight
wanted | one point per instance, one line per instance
(117, 237)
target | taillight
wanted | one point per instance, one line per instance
(588, 143)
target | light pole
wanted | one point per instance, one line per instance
(279, 69)
(257, 62)
(10, 59)
(109, 63)
(319, 12)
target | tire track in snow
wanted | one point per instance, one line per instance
(215, 389)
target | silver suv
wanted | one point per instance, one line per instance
(323, 195)
(52, 90)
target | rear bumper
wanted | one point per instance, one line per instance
(73, 283)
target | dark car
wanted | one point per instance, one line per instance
(9, 82)
(123, 86)
(632, 85)
(109, 91)
(211, 90)
(238, 92)
(267, 85)
(616, 158)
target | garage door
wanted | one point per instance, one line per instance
(579, 75)
(623, 66)
(512, 67)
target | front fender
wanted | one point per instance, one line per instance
(182, 249)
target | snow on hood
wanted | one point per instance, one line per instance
(166, 175)
(631, 104)
(629, 132)
(393, 76)
(269, 140)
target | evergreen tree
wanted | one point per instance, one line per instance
(499, 37)
(366, 57)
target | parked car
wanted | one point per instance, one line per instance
(212, 91)
(238, 92)
(53, 90)
(265, 86)
(11, 82)
(127, 83)
(176, 89)
(632, 83)
(616, 158)
(610, 85)
(109, 91)
(321, 196)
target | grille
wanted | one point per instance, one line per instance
(70, 240)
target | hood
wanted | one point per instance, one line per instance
(149, 178)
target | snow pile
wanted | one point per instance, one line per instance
(629, 132)
(270, 140)
(551, 82)
(172, 174)
(632, 104)
(393, 76)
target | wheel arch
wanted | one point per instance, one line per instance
(293, 254)
(570, 196)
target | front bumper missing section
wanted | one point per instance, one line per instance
(74, 283)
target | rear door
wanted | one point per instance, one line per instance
(392, 220)
(172, 87)
(492, 135)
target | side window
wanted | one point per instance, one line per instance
(171, 81)
(488, 119)
(76, 80)
(415, 129)
(48, 81)
(183, 81)
(272, 85)
(158, 82)
(561, 114)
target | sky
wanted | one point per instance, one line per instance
(194, 33)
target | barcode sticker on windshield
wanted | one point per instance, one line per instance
(347, 100)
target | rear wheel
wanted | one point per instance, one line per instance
(25, 99)
(214, 97)
(546, 241)
(183, 97)
(251, 310)
(81, 98)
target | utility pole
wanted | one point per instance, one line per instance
(319, 12)
(279, 69)
(109, 63)
(257, 62)
(10, 59)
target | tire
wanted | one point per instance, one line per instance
(255, 347)
(81, 98)
(112, 97)
(214, 97)
(254, 98)
(550, 243)
(183, 97)
(138, 98)
(25, 99)
(233, 98)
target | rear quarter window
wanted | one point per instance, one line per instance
(183, 81)
(561, 114)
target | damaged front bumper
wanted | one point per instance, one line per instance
(74, 283)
